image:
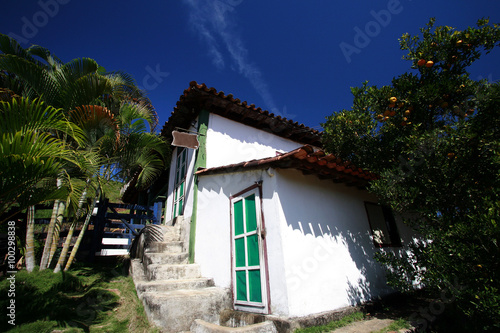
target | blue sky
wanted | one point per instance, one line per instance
(297, 59)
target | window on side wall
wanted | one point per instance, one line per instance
(180, 181)
(383, 225)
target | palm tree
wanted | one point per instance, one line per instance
(131, 148)
(31, 159)
(80, 83)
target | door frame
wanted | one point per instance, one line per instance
(266, 294)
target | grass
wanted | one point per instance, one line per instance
(98, 298)
(395, 326)
(353, 317)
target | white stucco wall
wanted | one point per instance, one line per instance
(320, 251)
(230, 142)
(327, 245)
(227, 142)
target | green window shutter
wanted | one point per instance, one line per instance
(247, 267)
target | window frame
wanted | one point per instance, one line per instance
(264, 305)
(180, 182)
(393, 236)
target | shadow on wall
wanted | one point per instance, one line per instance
(331, 218)
(335, 216)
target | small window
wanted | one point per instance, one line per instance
(382, 224)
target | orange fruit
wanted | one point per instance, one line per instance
(421, 62)
(429, 63)
(407, 113)
(460, 42)
(392, 105)
(393, 99)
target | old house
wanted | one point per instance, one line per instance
(290, 230)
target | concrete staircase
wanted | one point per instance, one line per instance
(173, 291)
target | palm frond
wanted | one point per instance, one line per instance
(37, 80)
(9, 45)
(44, 54)
(149, 234)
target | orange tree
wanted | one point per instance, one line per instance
(433, 137)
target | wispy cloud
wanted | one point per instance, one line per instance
(214, 22)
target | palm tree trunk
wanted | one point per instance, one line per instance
(65, 249)
(44, 262)
(80, 236)
(67, 243)
(57, 227)
(30, 239)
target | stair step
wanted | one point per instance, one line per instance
(176, 310)
(172, 272)
(201, 326)
(161, 247)
(167, 285)
(166, 258)
(171, 233)
(137, 270)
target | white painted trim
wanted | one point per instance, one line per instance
(115, 241)
(112, 252)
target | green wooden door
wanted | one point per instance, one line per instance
(248, 266)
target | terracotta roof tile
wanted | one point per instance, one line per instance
(199, 96)
(309, 160)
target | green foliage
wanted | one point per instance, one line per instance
(344, 321)
(69, 128)
(433, 136)
(38, 326)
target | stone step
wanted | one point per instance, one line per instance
(175, 311)
(166, 258)
(167, 285)
(201, 326)
(136, 269)
(171, 233)
(161, 247)
(172, 272)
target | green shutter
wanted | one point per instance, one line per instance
(248, 282)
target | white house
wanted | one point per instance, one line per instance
(289, 229)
